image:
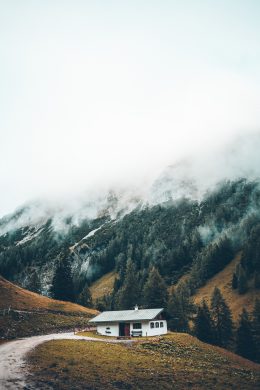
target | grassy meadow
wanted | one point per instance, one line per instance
(176, 361)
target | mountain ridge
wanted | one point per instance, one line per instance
(95, 244)
(184, 221)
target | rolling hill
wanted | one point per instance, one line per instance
(176, 361)
(24, 313)
(15, 297)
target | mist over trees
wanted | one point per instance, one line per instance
(150, 249)
(174, 237)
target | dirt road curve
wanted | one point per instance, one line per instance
(12, 354)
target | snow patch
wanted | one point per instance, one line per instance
(32, 234)
(90, 234)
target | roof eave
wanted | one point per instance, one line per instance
(131, 320)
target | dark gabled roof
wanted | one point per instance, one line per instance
(126, 315)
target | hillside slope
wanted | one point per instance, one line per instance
(176, 361)
(223, 281)
(103, 286)
(15, 297)
(24, 313)
(196, 236)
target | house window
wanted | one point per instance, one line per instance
(161, 324)
(152, 325)
(157, 325)
(137, 325)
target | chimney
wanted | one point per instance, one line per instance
(136, 307)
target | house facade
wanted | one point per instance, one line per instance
(126, 323)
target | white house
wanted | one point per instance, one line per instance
(137, 322)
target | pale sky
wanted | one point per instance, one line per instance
(112, 91)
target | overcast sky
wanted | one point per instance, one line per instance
(102, 91)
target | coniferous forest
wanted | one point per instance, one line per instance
(150, 249)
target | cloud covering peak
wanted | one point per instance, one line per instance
(99, 93)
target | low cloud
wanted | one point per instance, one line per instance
(190, 178)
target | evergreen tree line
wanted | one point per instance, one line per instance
(173, 237)
(248, 270)
(149, 290)
(169, 238)
(36, 254)
(150, 249)
(63, 288)
(210, 323)
(213, 324)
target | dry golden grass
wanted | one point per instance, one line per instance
(103, 286)
(182, 279)
(39, 315)
(223, 281)
(31, 324)
(177, 361)
(91, 333)
(21, 299)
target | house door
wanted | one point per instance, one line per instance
(121, 329)
(124, 329)
(127, 329)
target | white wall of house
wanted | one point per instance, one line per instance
(160, 327)
(108, 329)
(112, 329)
(155, 331)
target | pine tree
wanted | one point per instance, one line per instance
(179, 309)
(256, 328)
(178, 319)
(242, 281)
(245, 345)
(234, 281)
(257, 279)
(85, 298)
(128, 295)
(155, 290)
(35, 284)
(203, 325)
(104, 303)
(222, 319)
(62, 283)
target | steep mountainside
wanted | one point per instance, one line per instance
(192, 220)
(199, 236)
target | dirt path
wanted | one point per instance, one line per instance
(12, 355)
